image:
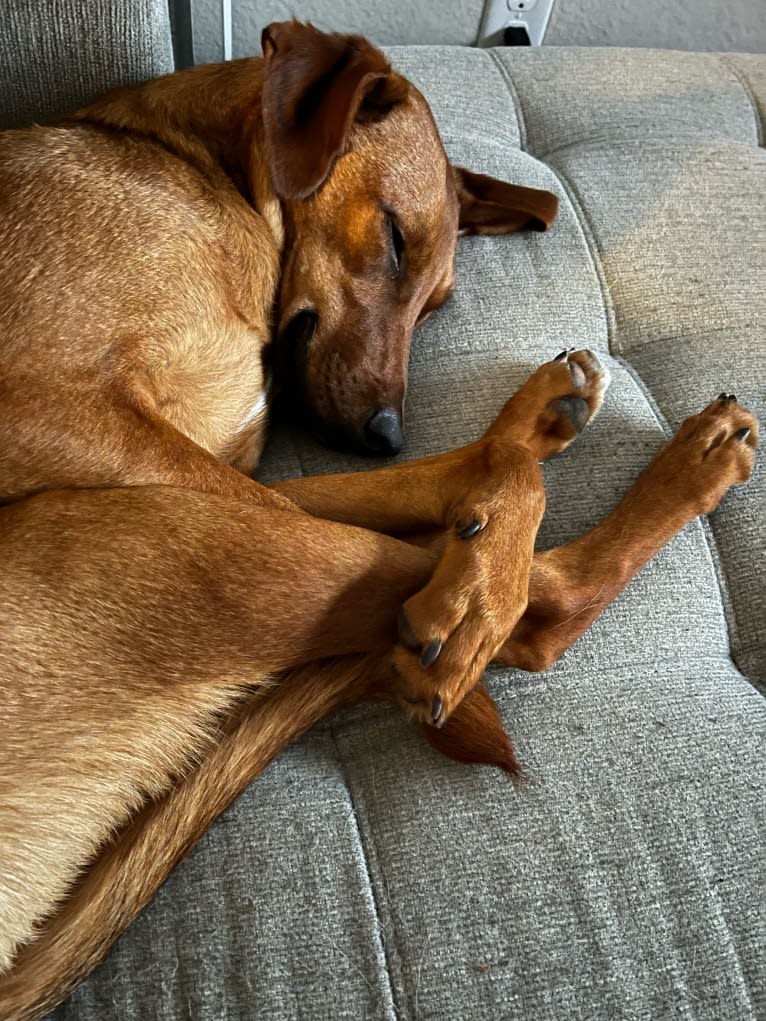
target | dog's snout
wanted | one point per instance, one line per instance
(383, 432)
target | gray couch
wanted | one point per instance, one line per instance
(364, 877)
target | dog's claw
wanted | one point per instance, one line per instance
(407, 636)
(468, 531)
(722, 397)
(437, 710)
(430, 653)
(731, 399)
(560, 357)
(742, 434)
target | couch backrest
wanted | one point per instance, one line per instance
(57, 54)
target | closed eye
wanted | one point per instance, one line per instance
(398, 247)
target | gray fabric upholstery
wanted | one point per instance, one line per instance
(55, 56)
(365, 877)
(751, 72)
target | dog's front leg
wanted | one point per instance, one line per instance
(543, 417)
(487, 499)
(571, 585)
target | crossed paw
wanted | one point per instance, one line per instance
(454, 626)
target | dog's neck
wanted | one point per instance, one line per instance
(209, 116)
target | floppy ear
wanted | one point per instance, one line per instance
(489, 206)
(315, 86)
(475, 733)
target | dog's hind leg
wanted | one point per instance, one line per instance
(131, 868)
(133, 619)
(571, 585)
(147, 613)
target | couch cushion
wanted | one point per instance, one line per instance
(365, 877)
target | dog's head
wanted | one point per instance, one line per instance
(372, 210)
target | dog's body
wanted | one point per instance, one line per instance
(151, 593)
(148, 338)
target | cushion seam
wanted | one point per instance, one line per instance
(676, 143)
(648, 396)
(646, 344)
(746, 88)
(391, 952)
(737, 648)
(594, 254)
(514, 97)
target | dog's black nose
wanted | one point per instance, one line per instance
(383, 433)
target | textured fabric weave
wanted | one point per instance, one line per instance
(365, 877)
(56, 55)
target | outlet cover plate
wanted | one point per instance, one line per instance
(500, 14)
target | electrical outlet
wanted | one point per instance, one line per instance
(530, 15)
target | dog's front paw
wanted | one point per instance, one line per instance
(452, 628)
(710, 453)
(555, 404)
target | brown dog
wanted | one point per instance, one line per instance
(162, 615)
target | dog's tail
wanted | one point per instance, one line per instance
(131, 870)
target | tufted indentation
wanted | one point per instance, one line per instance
(679, 228)
(464, 91)
(593, 96)
(751, 72)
